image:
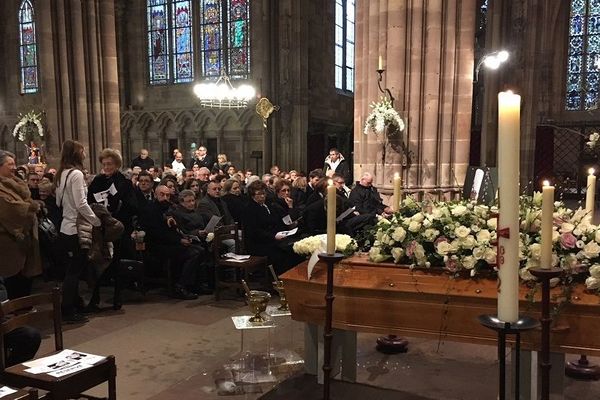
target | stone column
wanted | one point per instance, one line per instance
(427, 48)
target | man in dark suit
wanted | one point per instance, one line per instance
(366, 198)
(144, 192)
(202, 159)
(313, 178)
(213, 205)
(143, 161)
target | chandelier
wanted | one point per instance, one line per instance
(222, 94)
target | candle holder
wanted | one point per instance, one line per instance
(385, 91)
(544, 275)
(330, 260)
(582, 369)
(507, 328)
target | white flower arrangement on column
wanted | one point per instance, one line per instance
(29, 126)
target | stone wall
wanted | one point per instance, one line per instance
(427, 48)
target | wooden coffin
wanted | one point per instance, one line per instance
(391, 299)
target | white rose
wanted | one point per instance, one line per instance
(597, 236)
(483, 236)
(536, 250)
(468, 243)
(459, 210)
(492, 223)
(414, 226)
(592, 283)
(209, 237)
(591, 250)
(490, 256)
(555, 235)
(399, 234)
(526, 275)
(444, 248)
(462, 232)
(479, 253)
(427, 223)
(566, 227)
(469, 262)
(430, 234)
(595, 271)
(419, 217)
(385, 238)
(437, 213)
(397, 253)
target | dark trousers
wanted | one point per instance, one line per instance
(21, 345)
(74, 259)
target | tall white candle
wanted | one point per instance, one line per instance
(509, 135)
(397, 198)
(331, 218)
(380, 63)
(547, 218)
(590, 195)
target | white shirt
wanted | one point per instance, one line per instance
(73, 195)
(178, 167)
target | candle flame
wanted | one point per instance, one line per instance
(396, 175)
(591, 171)
(330, 182)
(546, 183)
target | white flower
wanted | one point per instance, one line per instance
(430, 234)
(397, 254)
(468, 243)
(535, 250)
(595, 271)
(414, 226)
(469, 262)
(479, 253)
(419, 217)
(444, 248)
(459, 210)
(492, 223)
(483, 236)
(462, 232)
(399, 234)
(209, 237)
(592, 283)
(591, 250)
(566, 227)
(490, 255)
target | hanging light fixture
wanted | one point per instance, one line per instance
(491, 60)
(222, 94)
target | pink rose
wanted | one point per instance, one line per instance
(410, 249)
(568, 240)
(439, 240)
(452, 265)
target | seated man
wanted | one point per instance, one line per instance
(191, 225)
(366, 199)
(212, 205)
(166, 240)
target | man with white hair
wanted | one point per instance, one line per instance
(366, 198)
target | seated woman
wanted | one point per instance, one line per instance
(194, 186)
(222, 165)
(283, 205)
(261, 231)
(232, 195)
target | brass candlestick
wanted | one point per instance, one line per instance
(278, 285)
(257, 301)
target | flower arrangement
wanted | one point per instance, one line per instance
(28, 126)
(383, 115)
(307, 246)
(459, 236)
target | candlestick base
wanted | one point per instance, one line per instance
(508, 328)
(582, 369)
(391, 344)
(546, 273)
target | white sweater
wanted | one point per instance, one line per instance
(73, 194)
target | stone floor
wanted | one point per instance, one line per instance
(168, 349)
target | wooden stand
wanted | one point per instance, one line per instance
(330, 260)
(582, 369)
(545, 274)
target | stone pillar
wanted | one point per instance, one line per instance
(427, 48)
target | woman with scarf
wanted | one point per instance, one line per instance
(18, 230)
(116, 192)
(71, 195)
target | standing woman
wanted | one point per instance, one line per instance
(112, 189)
(71, 195)
(18, 230)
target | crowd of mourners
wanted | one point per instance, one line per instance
(66, 224)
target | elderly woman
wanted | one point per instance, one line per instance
(18, 230)
(112, 189)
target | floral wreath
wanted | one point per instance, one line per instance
(28, 126)
(383, 115)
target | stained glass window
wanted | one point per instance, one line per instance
(225, 37)
(583, 61)
(344, 44)
(183, 61)
(159, 61)
(28, 49)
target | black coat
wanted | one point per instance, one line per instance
(207, 162)
(153, 222)
(144, 163)
(189, 222)
(366, 199)
(260, 228)
(121, 204)
(237, 206)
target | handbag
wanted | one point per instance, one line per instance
(47, 229)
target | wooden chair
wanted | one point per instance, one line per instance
(29, 310)
(241, 270)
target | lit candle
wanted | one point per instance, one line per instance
(590, 195)
(547, 213)
(397, 193)
(380, 64)
(331, 218)
(509, 135)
